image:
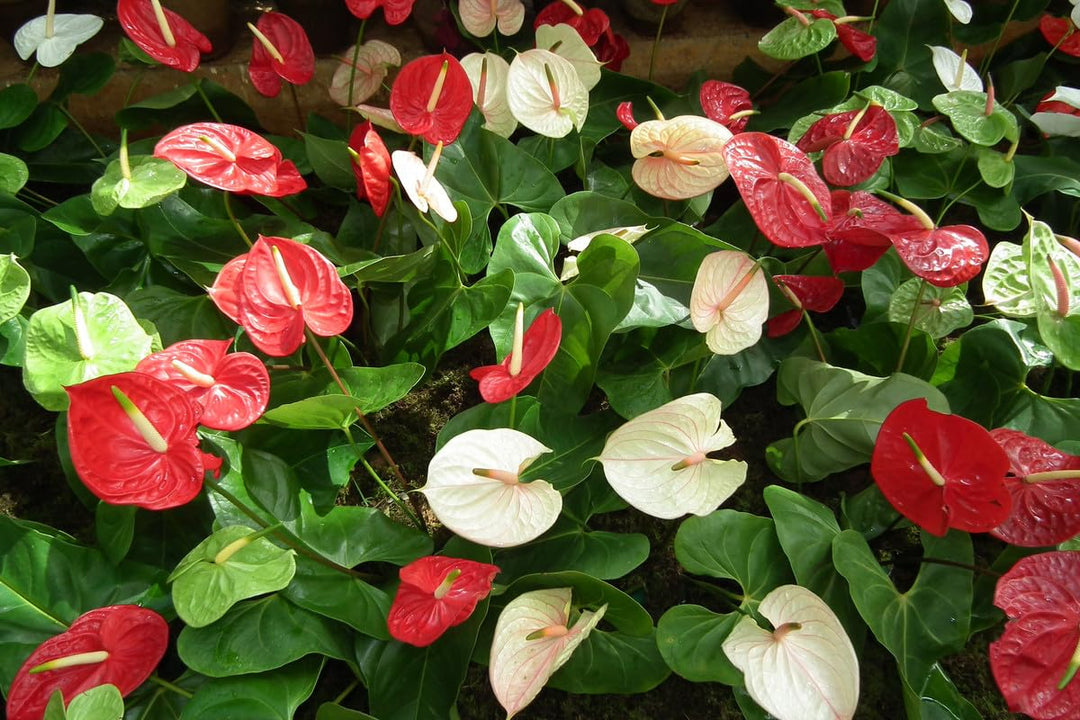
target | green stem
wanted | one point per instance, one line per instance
(391, 494)
(346, 692)
(656, 42)
(985, 65)
(954, 200)
(1049, 379)
(75, 121)
(495, 39)
(809, 258)
(206, 101)
(910, 326)
(296, 106)
(170, 686)
(235, 222)
(39, 197)
(814, 336)
(513, 410)
(134, 84)
(33, 71)
(352, 73)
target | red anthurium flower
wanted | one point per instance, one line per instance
(395, 11)
(611, 49)
(232, 388)
(532, 352)
(590, 24)
(436, 593)
(230, 158)
(1061, 33)
(371, 166)
(133, 441)
(860, 44)
(1036, 658)
(1045, 486)
(664, 2)
(117, 645)
(162, 34)
(277, 289)
(943, 256)
(855, 143)
(281, 50)
(625, 113)
(432, 97)
(780, 187)
(814, 293)
(940, 471)
(857, 233)
(726, 104)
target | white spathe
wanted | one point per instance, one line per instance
(488, 74)
(563, 40)
(545, 93)
(679, 158)
(960, 10)
(729, 301)
(69, 31)
(480, 17)
(423, 189)
(373, 60)
(948, 66)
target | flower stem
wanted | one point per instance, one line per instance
(910, 326)
(296, 106)
(346, 692)
(513, 411)
(75, 121)
(984, 66)
(233, 220)
(814, 336)
(206, 101)
(171, 686)
(352, 74)
(391, 494)
(656, 42)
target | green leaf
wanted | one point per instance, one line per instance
(75, 216)
(938, 699)
(967, 111)
(928, 621)
(735, 546)
(934, 139)
(623, 612)
(379, 387)
(54, 360)
(152, 180)
(691, 640)
(612, 662)
(338, 596)
(671, 255)
(14, 287)
(922, 178)
(13, 174)
(269, 696)
(103, 702)
(995, 170)
(186, 105)
(17, 103)
(791, 39)
(55, 710)
(84, 77)
(585, 212)
(204, 587)
(904, 29)
(193, 241)
(114, 527)
(874, 348)
(324, 412)
(940, 310)
(330, 160)
(42, 128)
(844, 410)
(260, 635)
(179, 317)
(1062, 335)
(814, 93)
(1037, 176)
(331, 711)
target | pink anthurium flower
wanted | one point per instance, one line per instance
(488, 75)
(279, 288)
(861, 44)
(370, 166)
(1062, 33)
(432, 98)
(855, 143)
(133, 442)
(1035, 660)
(943, 256)
(814, 293)
(436, 593)
(729, 301)
(940, 471)
(789, 202)
(532, 640)
(116, 645)
(546, 94)
(474, 487)
(858, 232)
(679, 158)
(230, 158)
(372, 62)
(232, 389)
(281, 51)
(53, 36)
(726, 104)
(659, 461)
(162, 34)
(803, 669)
(395, 11)
(532, 351)
(1045, 486)
(419, 183)
(480, 17)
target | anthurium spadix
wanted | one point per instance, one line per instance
(729, 301)
(365, 67)
(488, 73)
(954, 71)
(659, 461)
(419, 183)
(679, 158)
(805, 668)
(563, 40)
(532, 640)
(481, 17)
(55, 36)
(545, 93)
(474, 487)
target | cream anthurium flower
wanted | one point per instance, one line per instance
(419, 183)
(1059, 123)
(373, 60)
(658, 462)
(545, 93)
(960, 10)
(954, 71)
(474, 487)
(1075, 15)
(54, 36)
(531, 642)
(629, 233)
(729, 301)
(487, 74)
(806, 668)
(679, 158)
(481, 16)
(563, 40)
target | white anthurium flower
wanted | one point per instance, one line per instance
(531, 642)
(563, 40)
(54, 36)
(481, 16)
(373, 60)
(474, 487)
(679, 158)
(629, 233)
(1059, 123)
(805, 669)
(954, 71)
(419, 183)
(729, 301)
(1075, 15)
(383, 117)
(488, 74)
(960, 10)
(545, 93)
(658, 462)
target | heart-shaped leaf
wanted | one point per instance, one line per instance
(940, 310)
(797, 37)
(151, 180)
(14, 287)
(1005, 283)
(967, 111)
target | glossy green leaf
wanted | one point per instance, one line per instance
(1005, 282)
(13, 174)
(325, 412)
(85, 77)
(874, 348)
(339, 596)
(792, 39)
(996, 171)
(903, 29)
(114, 528)
(612, 662)
(42, 128)
(812, 94)
(940, 310)
(1062, 335)
(938, 699)
(17, 102)
(332, 711)
(185, 105)
(869, 513)
(152, 180)
(967, 111)
(185, 235)
(623, 611)
(934, 139)
(921, 178)
(330, 160)
(272, 695)
(691, 638)
(14, 287)
(1037, 175)
(178, 316)
(103, 702)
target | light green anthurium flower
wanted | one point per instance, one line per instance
(532, 641)
(373, 60)
(419, 183)
(629, 233)
(679, 158)
(545, 93)
(54, 37)
(954, 71)
(960, 10)
(488, 74)
(729, 301)
(1060, 123)
(659, 461)
(474, 487)
(480, 17)
(804, 669)
(565, 41)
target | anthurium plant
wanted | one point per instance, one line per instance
(756, 391)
